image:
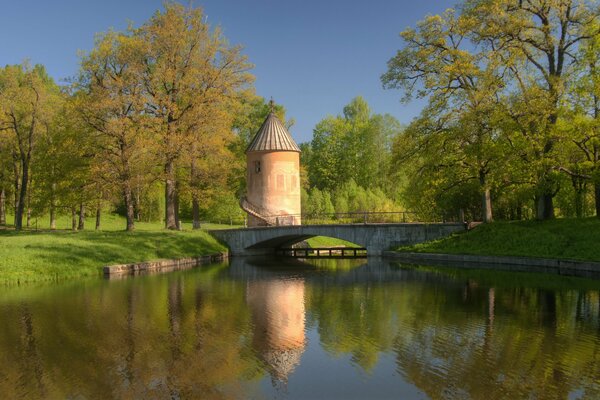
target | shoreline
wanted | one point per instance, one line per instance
(158, 266)
(565, 267)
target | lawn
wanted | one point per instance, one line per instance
(111, 222)
(575, 239)
(324, 241)
(43, 255)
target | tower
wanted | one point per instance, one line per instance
(273, 176)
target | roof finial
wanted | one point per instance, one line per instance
(271, 104)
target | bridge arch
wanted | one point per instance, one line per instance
(289, 240)
(376, 238)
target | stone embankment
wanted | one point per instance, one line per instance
(113, 271)
(586, 269)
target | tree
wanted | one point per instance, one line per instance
(188, 69)
(462, 83)
(28, 101)
(111, 101)
(5, 166)
(538, 40)
(355, 145)
(583, 119)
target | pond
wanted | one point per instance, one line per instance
(287, 329)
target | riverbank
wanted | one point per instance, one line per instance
(565, 239)
(38, 256)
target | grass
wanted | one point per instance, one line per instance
(43, 255)
(324, 241)
(575, 239)
(112, 222)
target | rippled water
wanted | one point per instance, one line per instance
(332, 329)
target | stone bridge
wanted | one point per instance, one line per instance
(376, 238)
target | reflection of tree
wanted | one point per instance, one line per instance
(356, 319)
(31, 359)
(535, 350)
(117, 341)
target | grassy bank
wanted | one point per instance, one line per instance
(576, 239)
(324, 241)
(35, 256)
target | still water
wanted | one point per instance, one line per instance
(329, 329)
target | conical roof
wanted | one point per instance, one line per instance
(272, 136)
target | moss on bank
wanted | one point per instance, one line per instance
(575, 239)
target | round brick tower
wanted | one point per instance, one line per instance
(273, 176)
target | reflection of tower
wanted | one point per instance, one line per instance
(278, 313)
(273, 176)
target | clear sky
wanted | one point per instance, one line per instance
(311, 56)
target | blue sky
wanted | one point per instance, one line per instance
(311, 56)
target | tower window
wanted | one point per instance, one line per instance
(257, 166)
(280, 182)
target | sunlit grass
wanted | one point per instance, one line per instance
(111, 222)
(324, 241)
(44, 255)
(576, 239)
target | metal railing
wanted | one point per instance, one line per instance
(346, 218)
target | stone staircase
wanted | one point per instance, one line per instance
(256, 212)
(267, 220)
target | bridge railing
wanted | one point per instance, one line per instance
(350, 218)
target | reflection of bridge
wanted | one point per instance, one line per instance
(376, 238)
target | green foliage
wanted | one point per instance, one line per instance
(347, 198)
(352, 146)
(512, 109)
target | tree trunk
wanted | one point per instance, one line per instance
(17, 175)
(22, 195)
(545, 206)
(597, 198)
(81, 225)
(579, 186)
(177, 220)
(2, 206)
(28, 220)
(28, 215)
(170, 196)
(52, 207)
(52, 217)
(486, 198)
(195, 202)
(195, 213)
(130, 211)
(73, 219)
(98, 215)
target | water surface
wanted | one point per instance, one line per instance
(347, 329)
